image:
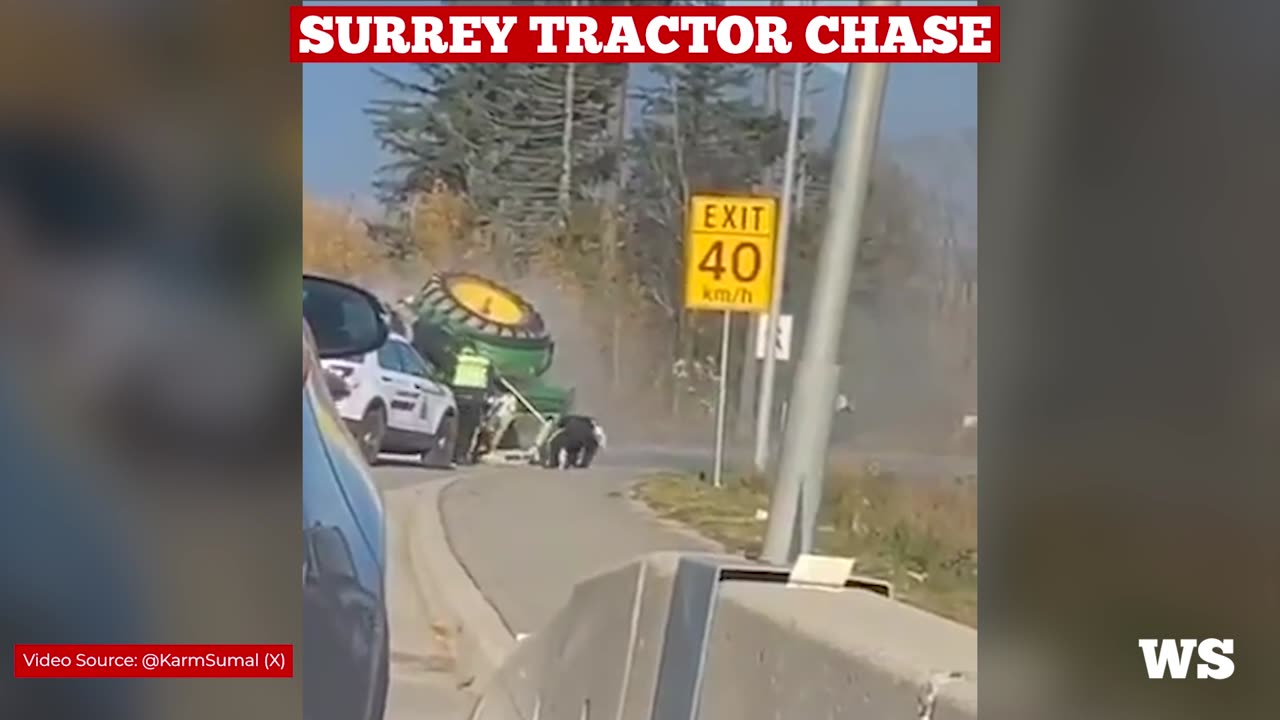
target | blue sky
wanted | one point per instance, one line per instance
(340, 154)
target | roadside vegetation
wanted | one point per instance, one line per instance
(920, 535)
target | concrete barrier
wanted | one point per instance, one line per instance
(707, 637)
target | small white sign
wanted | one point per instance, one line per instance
(821, 571)
(783, 347)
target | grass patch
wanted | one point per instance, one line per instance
(921, 536)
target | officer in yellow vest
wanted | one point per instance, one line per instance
(472, 372)
(473, 381)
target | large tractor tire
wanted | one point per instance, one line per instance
(457, 308)
(482, 307)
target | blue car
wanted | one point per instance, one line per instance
(345, 659)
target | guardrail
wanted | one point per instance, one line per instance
(676, 636)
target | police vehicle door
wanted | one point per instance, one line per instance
(432, 398)
(403, 399)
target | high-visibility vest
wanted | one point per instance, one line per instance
(471, 371)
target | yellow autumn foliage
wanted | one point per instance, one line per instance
(442, 226)
(335, 243)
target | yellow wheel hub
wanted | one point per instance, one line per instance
(488, 301)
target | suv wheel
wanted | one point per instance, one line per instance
(373, 427)
(440, 454)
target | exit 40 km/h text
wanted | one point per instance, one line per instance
(729, 253)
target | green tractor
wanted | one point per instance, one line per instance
(456, 309)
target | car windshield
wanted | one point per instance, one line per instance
(339, 319)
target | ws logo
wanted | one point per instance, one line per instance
(1174, 656)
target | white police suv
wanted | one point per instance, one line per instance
(396, 402)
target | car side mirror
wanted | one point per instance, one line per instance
(344, 319)
(328, 555)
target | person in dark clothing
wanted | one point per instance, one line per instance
(577, 439)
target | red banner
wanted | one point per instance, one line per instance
(616, 33)
(147, 661)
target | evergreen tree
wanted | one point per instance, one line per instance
(524, 143)
(699, 132)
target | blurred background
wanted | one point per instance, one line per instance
(1129, 356)
(149, 296)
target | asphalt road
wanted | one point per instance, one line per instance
(527, 536)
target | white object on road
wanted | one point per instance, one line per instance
(782, 348)
(969, 422)
(397, 379)
(762, 514)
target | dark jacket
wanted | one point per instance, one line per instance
(577, 428)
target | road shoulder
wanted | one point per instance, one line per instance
(482, 640)
(424, 679)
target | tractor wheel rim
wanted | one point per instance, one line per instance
(487, 300)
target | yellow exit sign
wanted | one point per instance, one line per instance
(729, 253)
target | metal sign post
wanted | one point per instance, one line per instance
(794, 506)
(717, 473)
(764, 413)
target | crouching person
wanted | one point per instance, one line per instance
(574, 443)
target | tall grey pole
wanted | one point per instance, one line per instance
(717, 472)
(764, 408)
(798, 492)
